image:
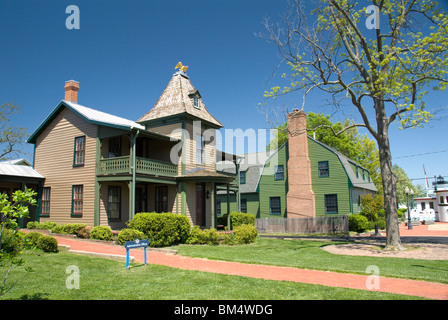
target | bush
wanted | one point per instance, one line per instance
(71, 228)
(245, 233)
(11, 243)
(128, 234)
(84, 233)
(101, 233)
(48, 244)
(240, 218)
(206, 236)
(357, 223)
(32, 225)
(164, 229)
(32, 239)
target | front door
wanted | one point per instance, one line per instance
(161, 199)
(200, 204)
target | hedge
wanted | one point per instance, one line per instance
(101, 233)
(128, 234)
(357, 223)
(164, 229)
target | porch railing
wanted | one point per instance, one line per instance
(122, 165)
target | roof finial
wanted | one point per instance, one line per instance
(181, 67)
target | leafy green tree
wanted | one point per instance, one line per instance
(403, 181)
(383, 71)
(10, 241)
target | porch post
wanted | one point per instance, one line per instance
(212, 204)
(228, 207)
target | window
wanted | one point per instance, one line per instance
(275, 205)
(115, 147)
(331, 203)
(161, 198)
(46, 201)
(196, 102)
(114, 203)
(279, 173)
(80, 151)
(77, 200)
(323, 169)
(244, 205)
(441, 199)
(423, 205)
(431, 205)
(200, 145)
(218, 207)
(242, 177)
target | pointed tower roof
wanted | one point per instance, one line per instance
(180, 97)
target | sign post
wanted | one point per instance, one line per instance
(135, 244)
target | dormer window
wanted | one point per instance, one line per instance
(195, 97)
(196, 102)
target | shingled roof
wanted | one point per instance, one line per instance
(177, 99)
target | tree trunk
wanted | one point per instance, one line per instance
(393, 241)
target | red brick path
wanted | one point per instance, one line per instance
(334, 279)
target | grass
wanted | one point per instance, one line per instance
(309, 254)
(107, 279)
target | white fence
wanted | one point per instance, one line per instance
(332, 224)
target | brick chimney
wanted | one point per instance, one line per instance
(71, 91)
(300, 196)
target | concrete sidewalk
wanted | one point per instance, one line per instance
(401, 286)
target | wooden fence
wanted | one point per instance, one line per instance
(334, 224)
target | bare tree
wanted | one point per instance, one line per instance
(10, 137)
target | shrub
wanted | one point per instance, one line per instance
(128, 234)
(84, 233)
(206, 236)
(240, 218)
(245, 233)
(48, 225)
(101, 233)
(32, 225)
(48, 244)
(357, 223)
(71, 228)
(31, 239)
(164, 229)
(11, 242)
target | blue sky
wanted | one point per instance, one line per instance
(124, 55)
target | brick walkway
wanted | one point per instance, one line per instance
(334, 279)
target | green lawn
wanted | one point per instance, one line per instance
(107, 279)
(309, 254)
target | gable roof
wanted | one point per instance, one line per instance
(90, 115)
(176, 99)
(21, 161)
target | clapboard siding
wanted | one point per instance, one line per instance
(53, 159)
(268, 187)
(336, 183)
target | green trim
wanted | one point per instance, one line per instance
(77, 215)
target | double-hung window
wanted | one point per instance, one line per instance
(275, 205)
(242, 177)
(114, 203)
(244, 205)
(77, 200)
(200, 146)
(331, 203)
(323, 169)
(80, 151)
(279, 173)
(46, 191)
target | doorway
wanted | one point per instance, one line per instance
(200, 204)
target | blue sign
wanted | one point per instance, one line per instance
(135, 244)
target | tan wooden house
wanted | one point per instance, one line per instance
(101, 169)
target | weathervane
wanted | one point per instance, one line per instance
(181, 67)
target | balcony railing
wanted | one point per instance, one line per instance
(122, 165)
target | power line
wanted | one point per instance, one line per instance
(420, 154)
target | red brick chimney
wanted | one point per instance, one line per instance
(71, 91)
(300, 196)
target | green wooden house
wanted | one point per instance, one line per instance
(336, 181)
